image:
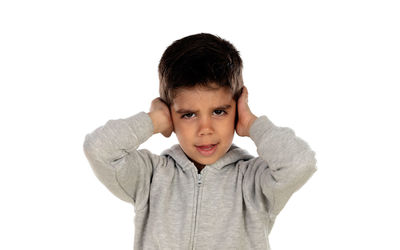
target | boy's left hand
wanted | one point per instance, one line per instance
(245, 117)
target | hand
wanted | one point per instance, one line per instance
(161, 117)
(245, 117)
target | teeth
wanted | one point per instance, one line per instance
(207, 147)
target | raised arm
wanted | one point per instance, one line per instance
(112, 153)
(284, 164)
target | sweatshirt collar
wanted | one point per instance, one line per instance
(233, 155)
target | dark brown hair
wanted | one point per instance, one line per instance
(200, 60)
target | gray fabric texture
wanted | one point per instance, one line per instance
(231, 204)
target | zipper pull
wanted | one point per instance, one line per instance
(199, 179)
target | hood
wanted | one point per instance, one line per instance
(233, 155)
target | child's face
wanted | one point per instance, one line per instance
(204, 122)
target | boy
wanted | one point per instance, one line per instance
(205, 193)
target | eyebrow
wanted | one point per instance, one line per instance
(185, 111)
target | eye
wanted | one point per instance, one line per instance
(219, 112)
(188, 115)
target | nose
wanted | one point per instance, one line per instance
(205, 126)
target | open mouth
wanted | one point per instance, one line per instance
(207, 150)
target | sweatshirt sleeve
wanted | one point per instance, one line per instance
(285, 163)
(112, 153)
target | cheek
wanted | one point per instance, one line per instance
(231, 122)
(228, 128)
(182, 131)
(176, 124)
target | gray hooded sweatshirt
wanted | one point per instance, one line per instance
(230, 204)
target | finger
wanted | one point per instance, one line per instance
(246, 93)
(244, 97)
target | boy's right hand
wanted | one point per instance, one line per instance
(161, 117)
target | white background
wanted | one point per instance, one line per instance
(326, 69)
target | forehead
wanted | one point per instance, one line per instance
(204, 96)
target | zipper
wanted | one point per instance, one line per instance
(197, 204)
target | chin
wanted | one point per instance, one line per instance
(209, 161)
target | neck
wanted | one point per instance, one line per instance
(199, 166)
